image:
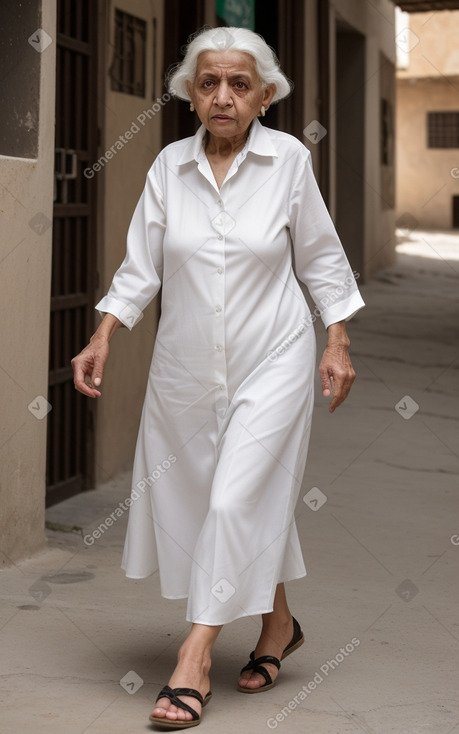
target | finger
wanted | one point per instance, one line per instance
(97, 371)
(334, 403)
(342, 385)
(327, 386)
(88, 389)
(94, 391)
(338, 393)
(80, 384)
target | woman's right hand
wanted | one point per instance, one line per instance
(88, 365)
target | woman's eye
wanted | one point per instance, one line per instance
(207, 84)
(240, 85)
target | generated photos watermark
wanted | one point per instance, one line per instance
(314, 499)
(39, 407)
(314, 132)
(136, 494)
(318, 678)
(127, 136)
(407, 407)
(40, 40)
(311, 318)
(131, 682)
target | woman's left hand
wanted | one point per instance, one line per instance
(336, 371)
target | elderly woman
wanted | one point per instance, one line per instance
(225, 426)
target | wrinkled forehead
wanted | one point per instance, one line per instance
(226, 63)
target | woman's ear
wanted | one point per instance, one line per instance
(268, 95)
(188, 88)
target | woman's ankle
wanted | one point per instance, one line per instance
(197, 648)
(196, 657)
(277, 619)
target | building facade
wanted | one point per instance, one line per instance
(74, 154)
(427, 122)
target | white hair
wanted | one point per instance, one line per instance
(229, 39)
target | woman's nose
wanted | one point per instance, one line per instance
(223, 95)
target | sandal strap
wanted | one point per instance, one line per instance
(172, 693)
(256, 664)
(265, 659)
(297, 633)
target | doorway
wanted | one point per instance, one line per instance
(70, 440)
(350, 142)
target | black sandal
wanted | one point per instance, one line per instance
(296, 641)
(172, 694)
(256, 664)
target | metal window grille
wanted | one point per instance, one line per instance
(443, 129)
(127, 71)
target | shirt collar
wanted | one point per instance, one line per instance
(259, 142)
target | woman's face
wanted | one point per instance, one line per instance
(227, 92)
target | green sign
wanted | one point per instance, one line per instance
(239, 13)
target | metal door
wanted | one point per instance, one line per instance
(70, 445)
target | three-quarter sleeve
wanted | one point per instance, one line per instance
(138, 279)
(320, 261)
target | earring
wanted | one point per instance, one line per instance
(262, 112)
(191, 107)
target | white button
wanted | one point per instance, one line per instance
(220, 202)
(218, 347)
(221, 387)
(219, 271)
(220, 236)
(218, 309)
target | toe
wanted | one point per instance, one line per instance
(164, 709)
(251, 680)
(162, 705)
(256, 681)
(175, 713)
(183, 715)
(178, 714)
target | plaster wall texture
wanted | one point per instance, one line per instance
(26, 204)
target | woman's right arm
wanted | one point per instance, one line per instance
(90, 362)
(134, 284)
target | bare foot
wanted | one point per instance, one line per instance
(273, 640)
(188, 674)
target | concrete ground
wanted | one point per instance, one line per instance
(380, 536)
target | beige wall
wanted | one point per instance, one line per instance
(424, 183)
(122, 179)
(428, 83)
(435, 45)
(26, 191)
(377, 24)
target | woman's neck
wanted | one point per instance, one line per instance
(224, 147)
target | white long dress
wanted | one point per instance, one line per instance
(225, 425)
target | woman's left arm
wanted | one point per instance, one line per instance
(321, 264)
(320, 261)
(335, 369)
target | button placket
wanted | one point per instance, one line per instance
(221, 223)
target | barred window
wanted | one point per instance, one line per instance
(127, 71)
(443, 129)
